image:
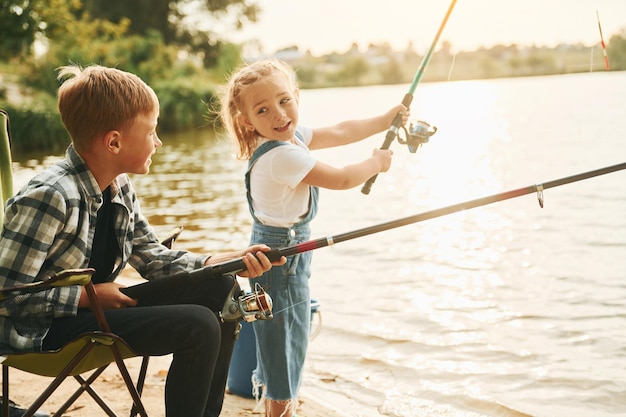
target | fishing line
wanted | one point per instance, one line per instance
(408, 98)
(291, 306)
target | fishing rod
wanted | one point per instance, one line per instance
(257, 304)
(419, 134)
(606, 57)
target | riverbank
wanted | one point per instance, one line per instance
(111, 387)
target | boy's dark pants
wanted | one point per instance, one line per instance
(182, 322)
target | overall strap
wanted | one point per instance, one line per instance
(260, 151)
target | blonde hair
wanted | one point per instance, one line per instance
(231, 100)
(97, 99)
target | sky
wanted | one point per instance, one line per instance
(324, 26)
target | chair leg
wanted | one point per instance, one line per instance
(128, 380)
(5, 391)
(57, 381)
(85, 386)
(140, 382)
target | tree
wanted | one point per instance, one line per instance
(18, 28)
(177, 20)
(143, 14)
(616, 49)
(354, 69)
(27, 21)
(392, 72)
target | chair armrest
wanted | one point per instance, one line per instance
(168, 242)
(66, 278)
(63, 278)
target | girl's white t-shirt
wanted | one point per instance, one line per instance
(279, 198)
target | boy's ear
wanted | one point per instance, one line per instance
(112, 141)
(245, 122)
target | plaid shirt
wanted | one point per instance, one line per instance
(49, 226)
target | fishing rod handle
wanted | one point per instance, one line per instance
(237, 265)
(391, 135)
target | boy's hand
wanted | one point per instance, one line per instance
(109, 296)
(256, 262)
(253, 258)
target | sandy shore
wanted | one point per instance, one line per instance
(111, 387)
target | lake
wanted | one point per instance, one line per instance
(508, 309)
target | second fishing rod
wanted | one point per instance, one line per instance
(419, 133)
(156, 288)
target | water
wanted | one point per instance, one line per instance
(503, 310)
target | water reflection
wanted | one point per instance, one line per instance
(196, 182)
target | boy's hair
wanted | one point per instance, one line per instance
(231, 100)
(97, 99)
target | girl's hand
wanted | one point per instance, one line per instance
(401, 109)
(383, 156)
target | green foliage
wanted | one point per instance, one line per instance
(182, 85)
(141, 22)
(354, 69)
(616, 50)
(17, 30)
(25, 21)
(36, 128)
(392, 72)
(183, 102)
(171, 18)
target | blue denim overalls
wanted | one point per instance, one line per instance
(282, 341)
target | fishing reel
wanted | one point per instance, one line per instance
(417, 135)
(251, 306)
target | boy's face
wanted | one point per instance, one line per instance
(139, 142)
(271, 108)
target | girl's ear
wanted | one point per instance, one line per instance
(245, 122)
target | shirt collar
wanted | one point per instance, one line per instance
(85, 176)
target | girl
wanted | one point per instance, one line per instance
(259, 107)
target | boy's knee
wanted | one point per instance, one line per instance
(215, 291)
(199, 325)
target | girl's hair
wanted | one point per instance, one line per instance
(97, 99)
(231, 100)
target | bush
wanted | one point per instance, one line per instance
(36, 129)
(184, 102)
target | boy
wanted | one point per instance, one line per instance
(83, 212)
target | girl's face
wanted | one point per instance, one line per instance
(270, 107)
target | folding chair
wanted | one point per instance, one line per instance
(6, 171)
(92, 351)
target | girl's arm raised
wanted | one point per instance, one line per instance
(326, 176)
(351, 131)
